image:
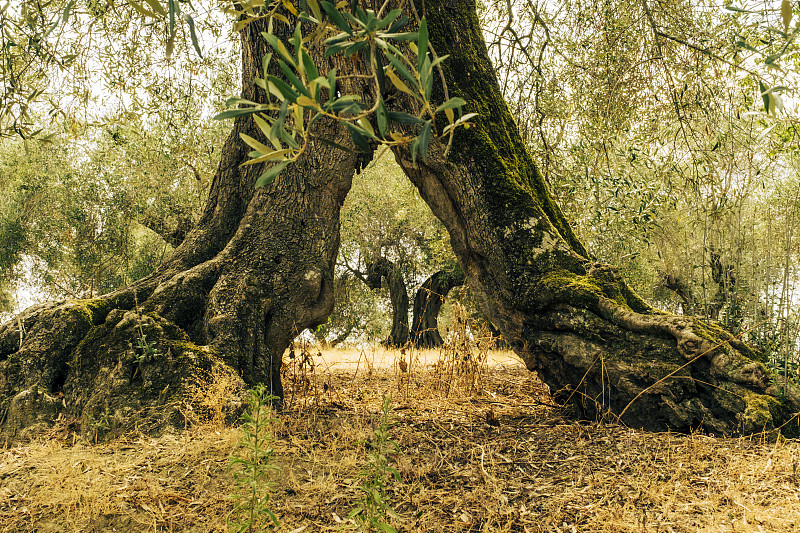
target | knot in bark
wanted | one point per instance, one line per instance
(313, 280)
(751, 374)
(691, 346)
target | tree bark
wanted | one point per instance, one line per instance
(383, 268)
(427, 304)
(591, 339)
(682, 290)
(256, 270)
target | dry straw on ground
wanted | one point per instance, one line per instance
(497, 458)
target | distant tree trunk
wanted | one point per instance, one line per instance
(724, 275)
(726, 298)
(427, 304)
(383, 268)
(682, 291)
(591, 339)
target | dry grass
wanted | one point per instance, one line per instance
(498, 459)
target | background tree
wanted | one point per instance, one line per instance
(76, 208)
(428, 303)
(390, 236)
(359, 315)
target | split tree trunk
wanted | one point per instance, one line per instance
(574, 321)
(258, 269)
(427, 304)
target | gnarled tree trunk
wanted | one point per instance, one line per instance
(256, 270)
(427, 304)
(574, 321)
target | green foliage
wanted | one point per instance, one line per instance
(358, 315)
(53, 54)
(144, 351)
(382, 217)
(659, 127)
(298, 96)
(70, 225)
(103, 202)
(252, 466)
(374, 510)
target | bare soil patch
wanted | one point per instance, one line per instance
(482, 453)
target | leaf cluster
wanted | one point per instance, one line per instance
(301, 95)
(767, 39)
(144, 351)
(252, 466)
(170, 16)
(372, 512)
(59, 47)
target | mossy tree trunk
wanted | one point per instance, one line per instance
(571, 319)
(256, 270)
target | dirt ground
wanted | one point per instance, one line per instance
(482, 449)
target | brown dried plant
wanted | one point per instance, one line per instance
(462, 363)
(213, 398)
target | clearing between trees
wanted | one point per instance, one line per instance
(482, 448)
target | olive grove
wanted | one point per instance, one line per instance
(258, 266)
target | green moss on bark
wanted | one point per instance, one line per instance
(495, 144)
(96, 309)
(760, 412)
(636, 303)
(113, 391)
(563, 285)
(583, 291)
